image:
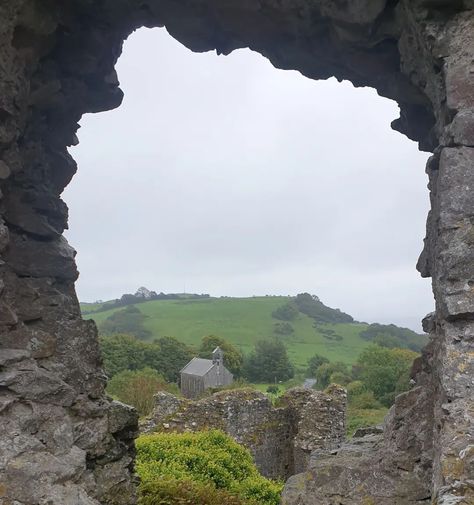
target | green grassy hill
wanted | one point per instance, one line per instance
(242, 321)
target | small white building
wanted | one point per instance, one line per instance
(201, 374)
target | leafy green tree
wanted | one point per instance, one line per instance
(138, 387)
(314, 363)
(170, 357)
(233, 358)
(326, 371)
(286, 312)
(385, 371)
(340, 378)
(122, 352)
(269, 362)
(166, 355)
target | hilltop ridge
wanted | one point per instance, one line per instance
(303, 322)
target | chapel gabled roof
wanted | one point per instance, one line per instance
(198, 366)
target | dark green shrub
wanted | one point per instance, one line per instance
(355, 388)
(123, 352)
(340, 378)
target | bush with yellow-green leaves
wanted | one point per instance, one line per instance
(204, 468)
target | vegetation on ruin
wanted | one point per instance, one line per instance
(203, 468)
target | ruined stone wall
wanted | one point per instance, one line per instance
(61, 440)
(280, 439)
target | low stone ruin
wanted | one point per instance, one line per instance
(280, 438)
(377, 466)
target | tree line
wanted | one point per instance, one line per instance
(137, 369)
(167, 355)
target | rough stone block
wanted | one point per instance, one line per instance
(454, 276)
(36, 258)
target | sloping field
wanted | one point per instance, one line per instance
(243, 321)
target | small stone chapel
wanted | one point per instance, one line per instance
(201, 374)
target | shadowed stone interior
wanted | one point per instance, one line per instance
(62, 441)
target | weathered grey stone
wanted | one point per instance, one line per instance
(37, 214)
(353, 11)
(429, 323)
(454, 212)
(27, 470)
(121, 417)
(4, 236)
(33, 383)
(376, 468)
(4, 170)
(10, 356)
(166, 405)
(37, 258)
(461, 130)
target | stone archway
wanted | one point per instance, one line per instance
(62, 441)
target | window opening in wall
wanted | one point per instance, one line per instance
(224, 176)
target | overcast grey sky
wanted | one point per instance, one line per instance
(224, 175)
